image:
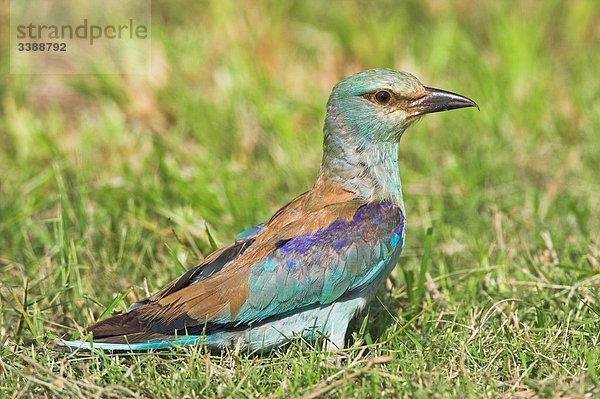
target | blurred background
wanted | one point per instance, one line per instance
(111, 185)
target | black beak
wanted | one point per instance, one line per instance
(436, 100)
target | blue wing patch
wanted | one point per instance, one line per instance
(250, 232)
(322, 266)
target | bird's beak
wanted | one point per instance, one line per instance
(436, 100)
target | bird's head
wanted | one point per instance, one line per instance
(379, 104)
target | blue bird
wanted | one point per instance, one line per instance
(318, 260)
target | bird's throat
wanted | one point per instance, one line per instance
(370, 169)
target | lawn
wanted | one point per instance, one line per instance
(112, 185)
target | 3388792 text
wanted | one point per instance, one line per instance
(42, 46)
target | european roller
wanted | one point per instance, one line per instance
(318, 260)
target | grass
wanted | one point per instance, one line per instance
(111, 185)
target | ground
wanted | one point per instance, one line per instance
(111, 185)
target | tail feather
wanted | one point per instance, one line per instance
(72, 346)
(126, 332)
(126, 324)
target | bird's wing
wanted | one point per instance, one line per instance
(336, 259)
(313, 251)
(211, 265)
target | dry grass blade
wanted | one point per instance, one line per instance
(329, 385)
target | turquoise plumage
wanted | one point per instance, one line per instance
(319, 259)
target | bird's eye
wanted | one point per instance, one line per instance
(383, 97)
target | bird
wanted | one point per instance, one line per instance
(310, 268)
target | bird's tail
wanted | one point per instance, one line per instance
(163, 343)
(126, 332)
